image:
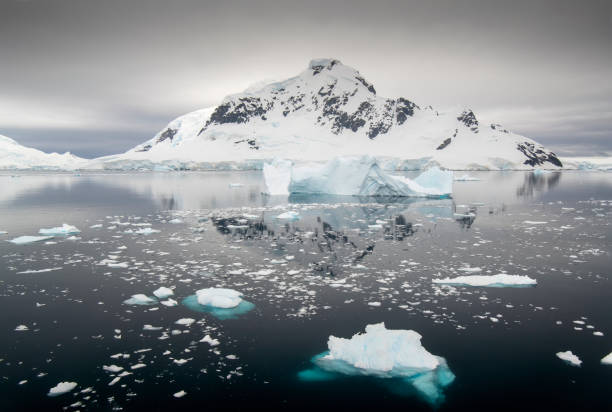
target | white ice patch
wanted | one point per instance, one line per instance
(290, 215)
(607, 360)
(163, 292)
(219, 297)
(62, 388)
(139, 299)
(185, 321)
(24, 240)
(499, 280)
(63, 230)
(37, 271)
(277, 176)
(569, 357)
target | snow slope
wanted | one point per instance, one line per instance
(326, 111)
(15, 156)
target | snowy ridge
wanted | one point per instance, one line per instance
(14, 156)
(329, 110)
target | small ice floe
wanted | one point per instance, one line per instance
(175, 221)
(374, 304)
(466, 178)
(62, 388)
(180, 394)
(598, 333)
(118, 265)
(219, 297)
(140, 299)
(169, 302)
(112, 368)
(569, 357)
(185, 321)
(151, 327)
(500, 280)
(470, 269)
(163, 292)
(143, 231)
(289, 215)
(607, 360)
(38, 271)
(387, 354)
(138, 366)
(63, 230)
(22, 328)
(221, 303)
(96, 226)
(209, 340)
(534, 222)
(24, 240)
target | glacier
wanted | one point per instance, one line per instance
(63, 230)
(499, 280)
(14, 156)
(354, 176)
(384, 353)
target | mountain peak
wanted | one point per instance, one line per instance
(318, 65)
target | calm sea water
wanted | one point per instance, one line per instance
(307, 279)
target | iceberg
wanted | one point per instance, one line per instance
(63, 230)
(140, 299)
(569, 357)
(354, 176)
(62, 388)
(384, 353)
(277, 176)
(219, 297)
(163, 292)
(496, 281)
(24, 240)
(607, 360)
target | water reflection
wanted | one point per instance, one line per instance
(535, 183)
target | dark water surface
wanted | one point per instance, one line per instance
(307, 279)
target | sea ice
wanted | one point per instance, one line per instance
(145, 231)
(607, 360)
(180, 394)
(22, 328)
(185, 321)
(24, 240)
(569, 357)
(38, 271)
(63, 230)
(163, 292)
(386, 353)
(219, 297)
(361, 176)
(62, 388)
(140, 299)
(290, 215)
(500, 280)
(112, 368)
(277, 176)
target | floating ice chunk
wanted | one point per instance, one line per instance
(361, 176)
(500, 280)
(180, 394)
(112, 368)
(209, 340)
(151, 327)
(185, 321)
(24, 240)
(471, 269)
(175, 221)
(534, 222)
(163, 292)
(21, 328)
(140, 299)
(374, 303)
(290, 215)
(96, 226)
(138, 366)
(123, 265)
(277, 176)
(607, 360)
(63, 230)
(62, 388)
(38, 271)
(385, 353)
(145, 231)
(569, 357)
(169, 302)
(219, 297)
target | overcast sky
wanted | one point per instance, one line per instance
(99, 76)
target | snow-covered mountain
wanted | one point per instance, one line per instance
(15, 156)
(330, 110)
